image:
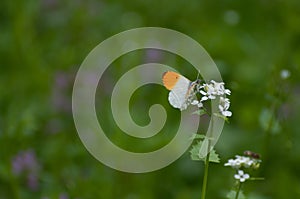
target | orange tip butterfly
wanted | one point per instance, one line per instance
(181, 89)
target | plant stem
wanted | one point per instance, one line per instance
(258, 178)
(238, 191)
(205, 177)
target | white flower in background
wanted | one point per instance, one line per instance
(284, 74)
(224, 106)
(233, 163)
(231, 17)
(241, 176)
(242, 161)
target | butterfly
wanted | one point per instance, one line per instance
(181, 89)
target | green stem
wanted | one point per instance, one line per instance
(238, 191)
(205, 177)
(258, 178)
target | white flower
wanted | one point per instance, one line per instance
(241, 176)
(231, 17)
(245, 161)
(212, 90)
(208, 92)
(230, 162)
(284, 74)
(200, 105)
(224, 106)
(234, 163)
(241, 161)
(194, 102)
(204, 98)
(197, 103)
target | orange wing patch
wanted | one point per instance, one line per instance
(170, 79)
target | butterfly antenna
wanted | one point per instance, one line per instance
(198, 80)
(198, 74)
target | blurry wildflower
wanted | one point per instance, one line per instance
(231, 17)
(54, 126)
(32, 181)
(49, 3)
(284, 74)
(61, 95)
(153, 55)
(241, 176)
(232, 163)
(241, 164)
(242, 161)
(25, 162)
(63, 196)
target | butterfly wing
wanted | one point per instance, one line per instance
(179, 87)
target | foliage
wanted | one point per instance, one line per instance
(43, 43)
(213, 156)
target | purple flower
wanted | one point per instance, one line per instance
(61, 94)
(63, 196)
(153, 55)
(32, 181)
(25, 162)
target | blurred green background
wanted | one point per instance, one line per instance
(255, 44)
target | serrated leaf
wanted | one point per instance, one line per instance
(214, 157)
(195, 154)
(199, 112)
(232, 194)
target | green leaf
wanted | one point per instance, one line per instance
(195, 153)
(268, 121)
(214, 157)
(232, 194)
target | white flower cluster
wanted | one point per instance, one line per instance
(241, 161)
(211, 91)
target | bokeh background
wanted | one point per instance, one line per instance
(255, 44)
